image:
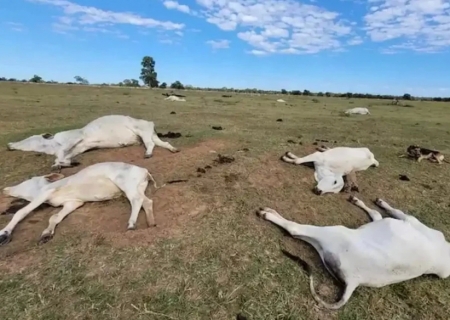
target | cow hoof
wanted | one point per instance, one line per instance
(148, 156)
(56, 168)
(8, 147)
(45, 238)
(175, 150)
(132, 227)
(5, 238)
(75, 163)
(378, 201)
(260, 213)
(352, 199)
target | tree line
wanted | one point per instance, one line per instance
(149, 77)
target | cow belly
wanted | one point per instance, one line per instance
(111, 138)
(99, 189)
(388, 251)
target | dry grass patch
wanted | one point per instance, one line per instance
(210, 256)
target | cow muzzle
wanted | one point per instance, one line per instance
(317, 191)
(375, 164)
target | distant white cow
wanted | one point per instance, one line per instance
(110, 131)
(333, 164)
(280, 100)
(175, 98)
(357, 111)
(98, 182)
(379, 253)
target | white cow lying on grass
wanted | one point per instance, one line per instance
(98, 182)
(357, 111)
(111, 131)
(333, 164)
(379, 253)
(175, 98)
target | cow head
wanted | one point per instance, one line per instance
(328, 184)
(30, 188)
(38, 143)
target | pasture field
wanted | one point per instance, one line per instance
(211, 257)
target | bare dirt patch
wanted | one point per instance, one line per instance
(273, 172)
(173, 205)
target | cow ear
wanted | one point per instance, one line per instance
(52, 177)
(47, 136)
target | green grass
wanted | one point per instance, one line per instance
(223, 260)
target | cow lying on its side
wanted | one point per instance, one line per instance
(333, 164)
(98, 182)
(111, 131)
(357, 111)
(379, 253)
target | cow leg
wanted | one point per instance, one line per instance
(136, 197)
(350, 183)
(147, 204)
(133, 184)
(163, 144)
(310, 234)
(148, 208)
(374, 214)
(65, 154)
(151, 139)
(322, 148)
(5, 233)
(289, 157)
(395, 213)
(55, 219)
(149, 146)
(136, 204)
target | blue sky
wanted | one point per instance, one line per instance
(374, 46)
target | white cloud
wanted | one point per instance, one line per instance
(219, 44)
(257, 52)
(355, 41)
(420, 25)
(279, 26)
(176, 6)
(15, 26)
(85, 18)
